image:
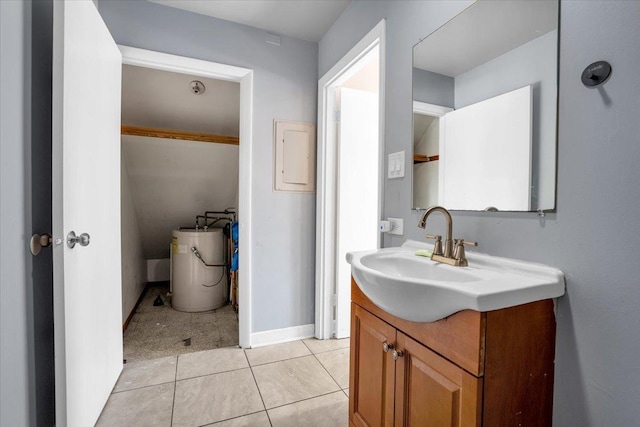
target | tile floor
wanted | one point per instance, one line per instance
(301, 383)
(158, 331)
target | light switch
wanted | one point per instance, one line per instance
(396, 165)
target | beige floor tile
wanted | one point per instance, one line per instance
(292, 380)
(331, 410)
(277, 352)
(218, 397)
(346, 391)
(211, 362)
(259, 419)
(149, 406)
(337, 363)
(320, 346)
(146, 373)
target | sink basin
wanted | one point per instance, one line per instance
(421, 290)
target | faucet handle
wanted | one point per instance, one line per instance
(464, 242)
(437, 247)
(459, 254)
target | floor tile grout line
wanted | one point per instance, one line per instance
(232, 418)
(258, 387)
(212, 373)
(305, 344)
(326, 351)
(277, 361)
(305, 399)
(327, 371)
(141, 387)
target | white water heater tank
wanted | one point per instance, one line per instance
(195, 286)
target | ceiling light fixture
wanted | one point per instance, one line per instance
(197, 87)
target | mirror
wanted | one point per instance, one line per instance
(485, 109)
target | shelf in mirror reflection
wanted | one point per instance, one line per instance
(421, 158)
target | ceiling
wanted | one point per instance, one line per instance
(306, 20)
(484, 31)
(162, 99)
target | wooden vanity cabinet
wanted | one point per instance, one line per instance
(486, 369)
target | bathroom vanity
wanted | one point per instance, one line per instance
(473, 368)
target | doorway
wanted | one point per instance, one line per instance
(349, 204)
(244, 77)
(179, 191)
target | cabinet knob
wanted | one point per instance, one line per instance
(397, 354)
(386, 347)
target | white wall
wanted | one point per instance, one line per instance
(134, 264)
(592, 236)
(172, 181)
(284, 87)
(158, 270)
(525, 65)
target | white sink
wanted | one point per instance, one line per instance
(415, 288)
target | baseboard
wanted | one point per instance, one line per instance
(135, 307)
(277, 336)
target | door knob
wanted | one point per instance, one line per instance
(38, 242)
(397, 354)
(83, 240)
(386, 347)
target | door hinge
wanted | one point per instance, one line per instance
(336, 116)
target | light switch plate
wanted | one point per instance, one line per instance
(397, 226)
(396, 165)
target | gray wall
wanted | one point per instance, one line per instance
(285, 87)
(433, 88)
(15, 364)
(592, 236)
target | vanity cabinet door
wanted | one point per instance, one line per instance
(372, 370)
(433, 392)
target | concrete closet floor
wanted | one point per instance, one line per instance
(300, 383)
(158, 331)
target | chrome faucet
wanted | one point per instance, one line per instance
(447, 255)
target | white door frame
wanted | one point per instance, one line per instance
(197, 67)
(438, 111)
(326, 220)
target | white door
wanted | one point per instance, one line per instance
(358, 208)
(86, 199)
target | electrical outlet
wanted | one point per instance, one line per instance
(397, 226)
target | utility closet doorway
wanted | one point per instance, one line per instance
(349, 205)
(179, 199)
